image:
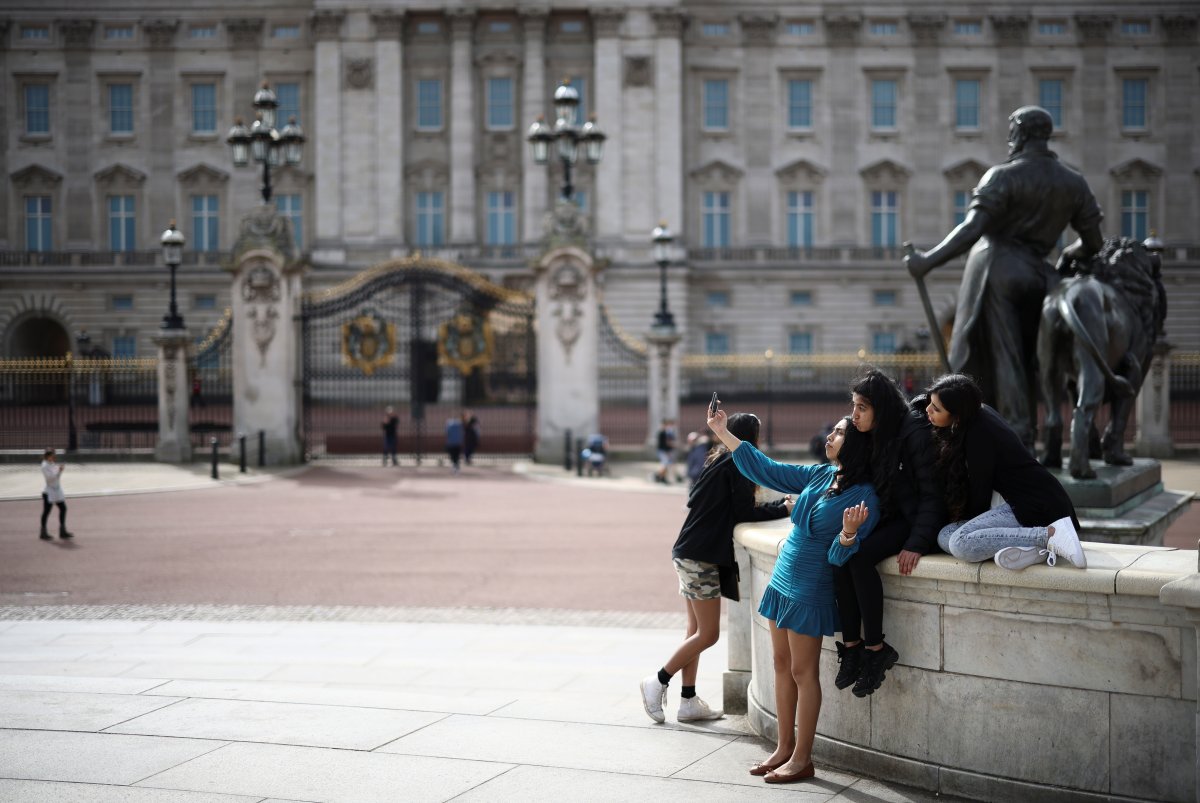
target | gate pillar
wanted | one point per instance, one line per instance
(568, 347)
(1153, 407)
(174, 437)
(265, 354)
(664, 380)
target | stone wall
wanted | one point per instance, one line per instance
(1046, 684)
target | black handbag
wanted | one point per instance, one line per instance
(730, 577)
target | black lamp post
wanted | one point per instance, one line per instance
(172, 249)
(663, 319)
(567, 137)
(263, 142)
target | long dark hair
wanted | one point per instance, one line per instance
(743, 426)
(890, 408)
(854, 457)
(960, 397)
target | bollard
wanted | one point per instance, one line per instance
(579, 461)
(242, 452)
(215, 474)
(262, 448)
(567, 450)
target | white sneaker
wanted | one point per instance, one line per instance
(1016, 558)
(654, 697)
(693, 709)
(1065, 542)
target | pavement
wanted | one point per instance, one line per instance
(125, 701)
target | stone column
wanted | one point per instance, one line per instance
(607, 105)
(462, 129)
(1153, 407)
(1093, 83)
(756, 120)
(663, 376)
(161, 84)
(534, 99)
(74, 108)
(389, 127)
(670, 84)
(568, 342)
(1178, 126)
(842, 79)
(174, 435)
(926, 191)
(1012, 35)
(327, 136)
(265, 304)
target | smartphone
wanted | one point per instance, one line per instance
(712, 406)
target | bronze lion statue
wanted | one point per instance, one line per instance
(1096, 338)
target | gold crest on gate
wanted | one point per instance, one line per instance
(368, 343)
(465, 343)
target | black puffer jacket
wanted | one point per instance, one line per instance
(915, 493)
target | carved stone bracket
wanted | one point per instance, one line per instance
(1093, 28)
(360, 73)
(160, 33)
(1011, 29)
(606, 22)
(261, 291)
(1180, 29)
(77, 34)
(326, 26)
(264, 228)
(388, 24)
(758, 29)
(565, 225)
(843, 29)
(669, 23)
(927, 28)
(568, 290)
(246, 32)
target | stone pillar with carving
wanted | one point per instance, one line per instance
(326, 135)
(663, 372)
(534, 97)
(462, 128)
(568, 343)
(265, 303)
(174, 435)
(389, 126)
(608, 105)
(1153, 407)
(668, 120)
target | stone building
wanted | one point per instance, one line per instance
(791, 147)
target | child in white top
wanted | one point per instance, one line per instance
(52, 495)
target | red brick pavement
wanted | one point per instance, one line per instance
(356, 536)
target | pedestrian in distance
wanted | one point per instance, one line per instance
(470, 435)
(720, 498)
(911, 513)
(698, 447)
(390, 426)
(53, 495)
(665, 446)
(454, 441)
(979, 454)
(836, 509)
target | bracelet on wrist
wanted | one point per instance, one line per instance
(850, 535)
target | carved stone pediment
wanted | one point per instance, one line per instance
(964, 171)
(119, 174)
(427, 173)
(34, 175)
(1136, 169)
(885, 171)
(202, 174)
(801, 171)
(717, 172)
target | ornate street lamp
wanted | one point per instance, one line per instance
(662, 238)
(172, 249)
(262, 142)
(566, 136)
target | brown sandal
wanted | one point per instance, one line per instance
(759, 770)
(791, 777)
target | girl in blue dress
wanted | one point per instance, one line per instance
(835, 508)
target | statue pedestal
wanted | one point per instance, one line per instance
(1125, 504)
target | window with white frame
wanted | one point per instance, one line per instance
(884, 98)
(426, 27)
(800, 341)
(715, 217)
(202, 32)
(35, 32)
(287, 94)
(714, 29)
(801, 298)
(1050, 98)
(430, 219)
(39, 223)
(716, 299)
(429, 104)
(118, 32)
(800, 104)
(885, 218)
(571, 26)
(966, 104)
(1135, 27)
(962, 202)
(1135, 214)
(291, 206)
(501, 226)
(206, 226)
(122, 302)
(120, 109)
(1134, 109)
(204, 108)
(499, 26)
(500, 102)
(124, 347)
(883, 28)
(716, 343)
(968, 28)
(883, 298)
(204, 301)
(800, 218)
(1051, 28)
(122, 226)
(285, 31)
(37, 109)
(716, 104)
(800, 28)
(883, 342)
(580, 85)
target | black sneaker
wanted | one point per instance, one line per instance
(45, 536)
(64, 535)
(851, 660)
(876, 663)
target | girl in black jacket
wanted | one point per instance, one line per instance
(978, 453)
(913, 512)
(720, 498)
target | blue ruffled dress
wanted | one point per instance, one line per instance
(800, 596)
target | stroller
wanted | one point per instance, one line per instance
(595, 455)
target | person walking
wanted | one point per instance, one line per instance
(53, 495)
(454, 441)
(665, 445)
(390, 426)
(836, 509)
(911, 513)
(978, 455)
(470, 435)
(720, 498)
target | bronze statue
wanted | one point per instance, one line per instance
(1016, 215)
(1098, 332)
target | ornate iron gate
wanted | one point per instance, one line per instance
(210, 387)
(428, 338)
(624, 384)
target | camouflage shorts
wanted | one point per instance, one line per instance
(697, 579)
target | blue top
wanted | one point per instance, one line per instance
(800, 595)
